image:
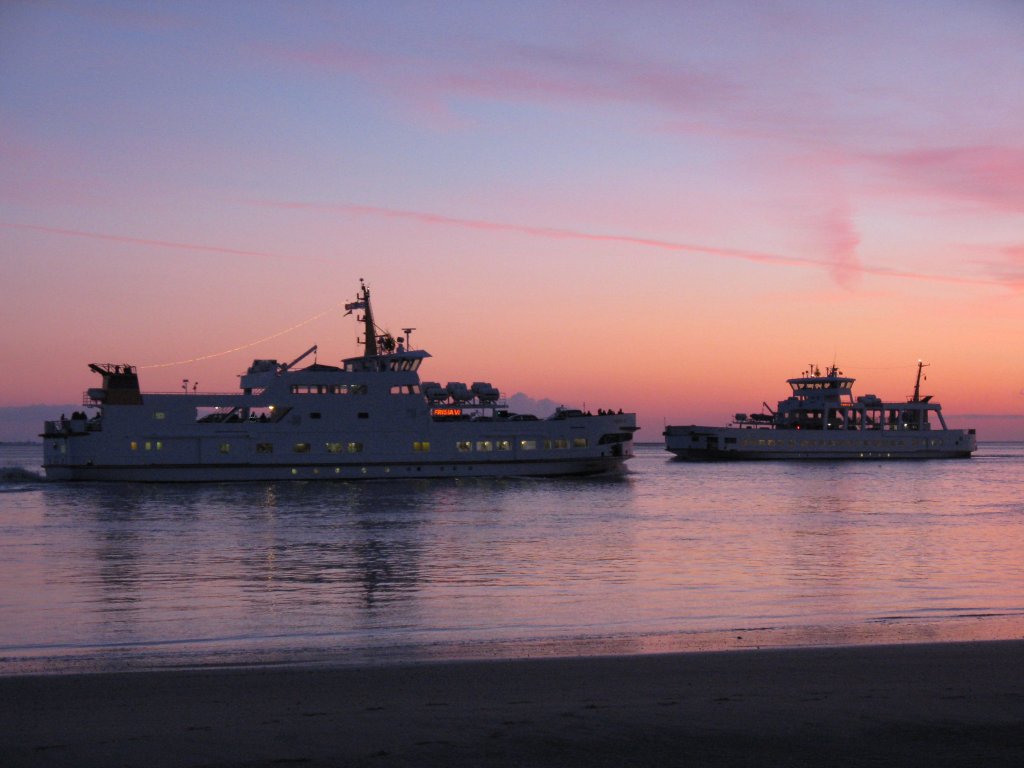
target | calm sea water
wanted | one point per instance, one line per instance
(669, 556)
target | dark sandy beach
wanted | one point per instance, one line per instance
(952, 704)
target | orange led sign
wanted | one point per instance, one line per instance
(447, 411)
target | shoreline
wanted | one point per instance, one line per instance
(258, 652)
(938, 704)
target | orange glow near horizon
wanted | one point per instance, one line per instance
(696, 374)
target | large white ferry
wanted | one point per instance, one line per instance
(371, 417)
(821, 420)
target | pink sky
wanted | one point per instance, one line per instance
(665, 207)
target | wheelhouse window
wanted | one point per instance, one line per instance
(404, 364)
(227, 414)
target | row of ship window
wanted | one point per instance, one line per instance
(808, 443)
(349, 389)
(418, 446)
(158, 445)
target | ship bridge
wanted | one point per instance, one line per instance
(407, 360)
(812, 387)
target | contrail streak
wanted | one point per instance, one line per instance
(307, 321)
(145, 241)
(665, 245)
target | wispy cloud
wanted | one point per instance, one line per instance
(841, 245)
(841, 268)
(591, 73)
(492, 71)
(1007, 263)
(724, 105)
(551, 233)
(987, 174)
(829, 227)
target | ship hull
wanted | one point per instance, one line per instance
(183, 451)
(345, 472)
(738, 444)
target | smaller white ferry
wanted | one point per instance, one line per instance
(822, 420)
(370, 417)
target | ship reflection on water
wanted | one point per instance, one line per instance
(668, 556)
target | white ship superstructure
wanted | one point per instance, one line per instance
(822, 420)
(370, 417)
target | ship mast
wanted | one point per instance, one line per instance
(917, 384)
(369, 329)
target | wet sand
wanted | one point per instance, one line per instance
(949, 704)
